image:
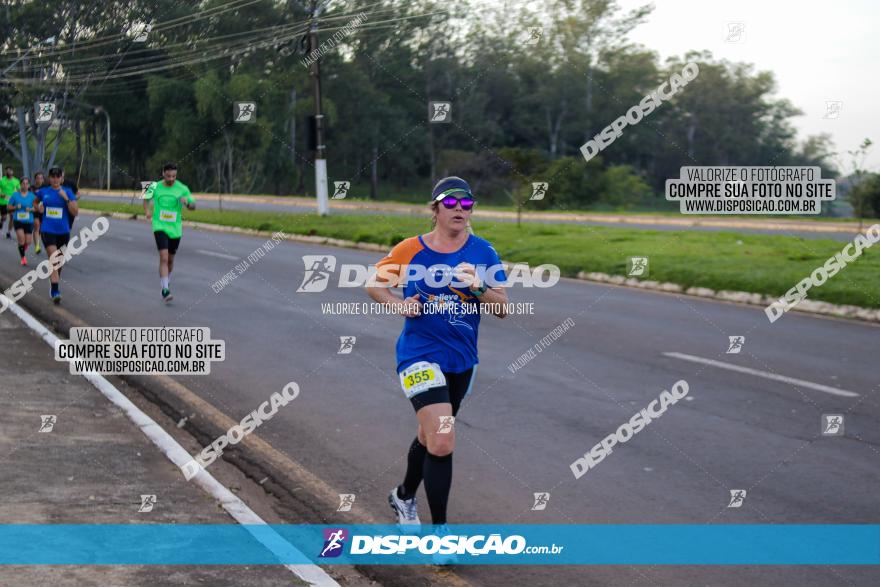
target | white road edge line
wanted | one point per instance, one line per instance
(236, 508)
(764, 374)
(221, 255)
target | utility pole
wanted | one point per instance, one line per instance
(320, 149)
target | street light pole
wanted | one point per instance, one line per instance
(100, 109)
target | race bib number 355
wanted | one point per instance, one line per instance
(54, 213)
(167, 216)
(421, 376)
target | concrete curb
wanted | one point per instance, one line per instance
(742, 297)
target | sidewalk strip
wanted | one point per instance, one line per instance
(764, 374)
(236, 508)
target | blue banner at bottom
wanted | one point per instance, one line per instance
(481, 544)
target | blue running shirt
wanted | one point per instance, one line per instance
(56, 218)
(446, 332)
(25, 200)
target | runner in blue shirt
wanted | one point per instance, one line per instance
(21, 207)
(437, 350)
(58, 206)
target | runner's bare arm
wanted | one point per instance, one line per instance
(496, 295)
(72, 206)
(410, 307)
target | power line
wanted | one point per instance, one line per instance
(159, 27)
(150, 56)
(172, 63)
(155, 63)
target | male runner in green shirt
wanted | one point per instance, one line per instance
(167, 198)
(8, 186)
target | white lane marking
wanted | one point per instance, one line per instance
(221, 255)
(236, 508)
(764, 374)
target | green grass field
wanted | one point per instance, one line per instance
(718, 260)
(662, 209)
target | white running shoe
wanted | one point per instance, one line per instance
(407, 509)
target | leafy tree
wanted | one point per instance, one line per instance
(623, 187)
(573, 183)
(865, 196)
(521, 107)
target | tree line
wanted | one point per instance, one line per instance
(527, 90)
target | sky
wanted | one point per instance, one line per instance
(818, 51)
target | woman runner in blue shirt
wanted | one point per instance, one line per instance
(21, 207)
(437, 350)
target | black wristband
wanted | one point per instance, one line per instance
(480, 291)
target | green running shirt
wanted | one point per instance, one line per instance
(8, 186)
(167, 207)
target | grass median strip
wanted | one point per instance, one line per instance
(765, 264)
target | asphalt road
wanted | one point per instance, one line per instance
(518, 433)
(297, 208)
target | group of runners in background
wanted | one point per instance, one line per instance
(38, 211)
